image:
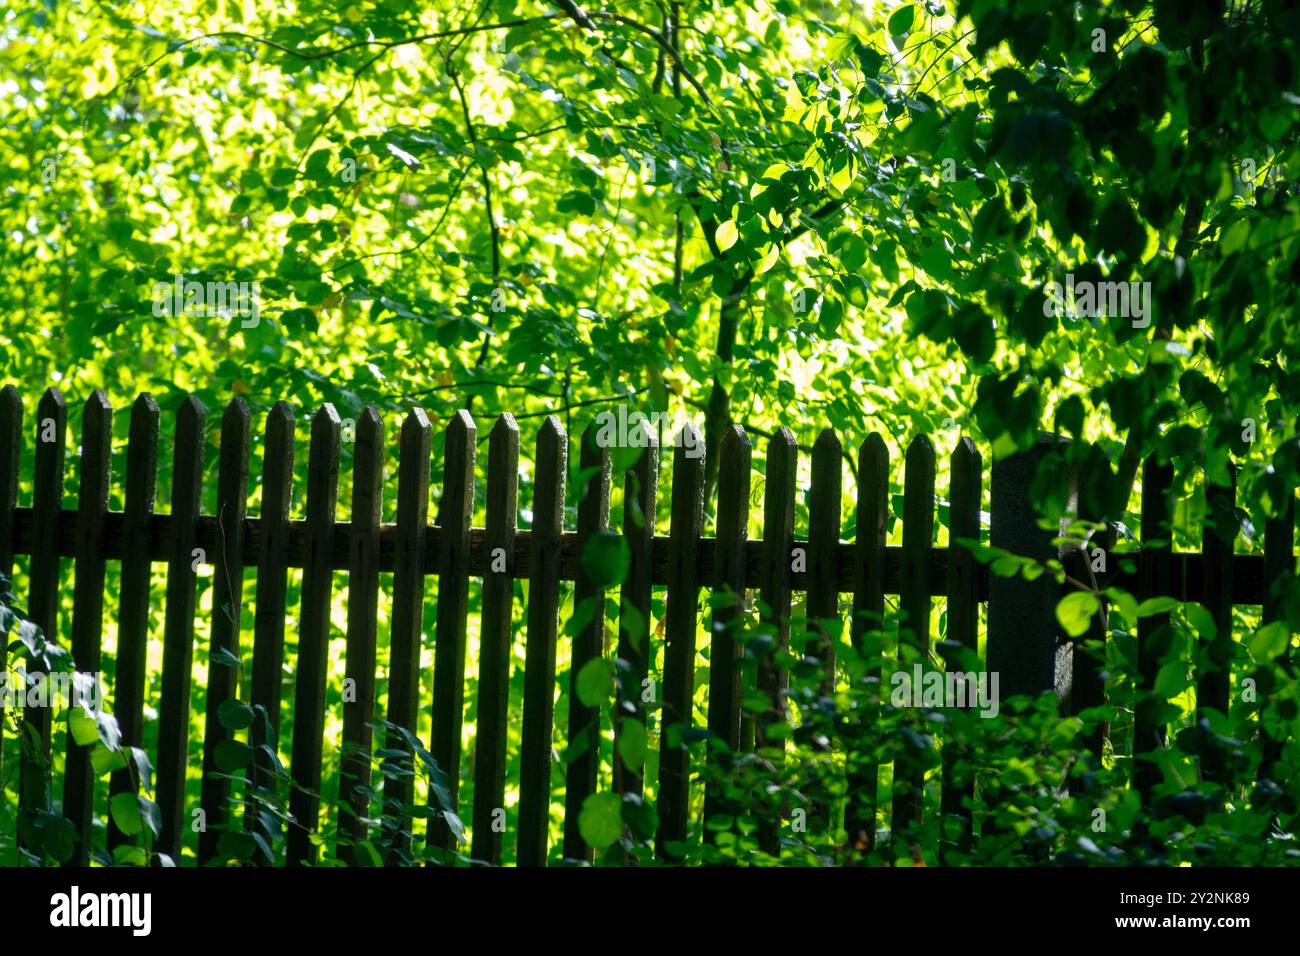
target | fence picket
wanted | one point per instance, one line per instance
(268, 617)
(227, 608)
(958, 789)
(11, 450)
(313, 636)
(408, 622)
(456, 512)
(362, 634)
(680, 616)
(539, 660)
(133, 611)
(914, 626)
(728, 612)
(1220, 531)
(588, 645)
(1155, 577)
(88, 604)
(640, 488)
(184, 557)
(774, 596)
(872, 526)
(495, 639)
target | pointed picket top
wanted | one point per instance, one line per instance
(690, 438)
(872, 449)
(145, 406)
(325, 421)
(280, 414)
(552, 428)
(236, 417)
(462, 421)
(369, 419)
(192, 414)
(416, 421)
(9, 396)
(733, 436)
(828, 443)
(964, 450)
(505, 425)
(97, 404)
(922, 448)
(51, 406)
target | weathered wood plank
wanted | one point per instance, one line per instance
(681, 614)
(227, 608)
(362, 633)
(727, 615)
(88, 605)
(774, 597)
(958, 788)
(408, 622)
(271, 549)
(588, 645)
(495, 640)
(178, 626)
(313, 637)
(539, 660)
(133, 610)
(914, 625)
(456, 512)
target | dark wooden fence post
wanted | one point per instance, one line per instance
(914, 624)
(362, 635)
(133, 610)
(964, 499)
(313, 636)
(268, 618)
(539, 663)
(640, 488)
(495, 640)
(727, 616)
(183, 559)
(872, 524)
(227, 608)
(588, 645)
(11, 450)
(1214, 684)
(88, 605)
(1025, 646)
(1155, 577)
(774, 595)
(456, 510)
(680, 624)
(413, 467)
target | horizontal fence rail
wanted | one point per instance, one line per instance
(1023, 640)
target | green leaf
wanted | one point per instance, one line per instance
(1269, 642)
(632, 743)
(601, 820)
(594, 682)
(125, 809)
(902, 20)
(232, 755)
(82, 726)
(1075, 612)
(727, 235)
(606, 559)
(234, 714)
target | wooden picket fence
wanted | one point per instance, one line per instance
(1023, 640)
